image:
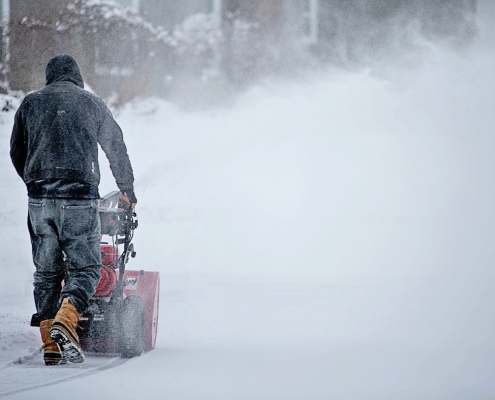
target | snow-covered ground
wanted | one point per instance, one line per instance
(331, 239)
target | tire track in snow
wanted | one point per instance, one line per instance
(13, 368)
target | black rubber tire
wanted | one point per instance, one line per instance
(132, 332)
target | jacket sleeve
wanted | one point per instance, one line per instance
(18, 143)
(112, 143)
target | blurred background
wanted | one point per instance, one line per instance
(203, 52)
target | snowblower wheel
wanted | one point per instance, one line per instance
(132, 333)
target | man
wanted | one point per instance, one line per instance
(54, 148)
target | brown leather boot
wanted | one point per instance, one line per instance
(51, 352)
(63, 332)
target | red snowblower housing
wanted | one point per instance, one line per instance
(122, 317)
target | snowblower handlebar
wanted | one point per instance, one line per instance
(116, 217)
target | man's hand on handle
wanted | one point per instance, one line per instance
(128, 198)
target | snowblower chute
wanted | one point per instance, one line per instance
(122, 317)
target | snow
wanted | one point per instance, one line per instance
(331, 238)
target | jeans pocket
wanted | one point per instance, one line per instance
(78, 219)
(78, 207)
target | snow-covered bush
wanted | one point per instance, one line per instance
(94, 16)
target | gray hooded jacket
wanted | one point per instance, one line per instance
(57, 130)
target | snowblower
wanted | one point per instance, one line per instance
(122, 317)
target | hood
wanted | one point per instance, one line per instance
(63, 68)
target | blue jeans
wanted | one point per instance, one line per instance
(58, 227)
